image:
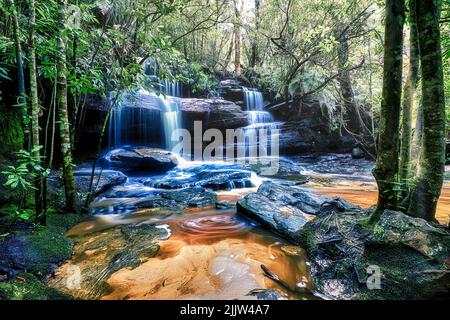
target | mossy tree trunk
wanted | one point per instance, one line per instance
(34, 100)
(19, 62)
(66, 146)
(386, 168)
(409, 98)
(428, 185)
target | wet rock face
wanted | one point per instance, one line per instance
(169, 200)
(284, 209)
(214, 113)
(208, 176)
(103, 181)
(232, 90)
(141, 159)
(398, 258)
(307, 135)
(357, 153)
(180, 199)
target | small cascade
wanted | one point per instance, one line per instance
(171, 88)
(254, 104)
(144, 118)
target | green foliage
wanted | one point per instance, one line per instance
(20, 177)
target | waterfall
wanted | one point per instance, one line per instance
(254, 104)
(171, 88)
(144, 118)
(253, 100)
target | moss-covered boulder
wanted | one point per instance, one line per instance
(37, 250)
(28, 287)
(397, 258)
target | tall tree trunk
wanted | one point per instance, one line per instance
(35, 110)
(254, 59)
(428, 185)
(20, 68)
(354, 122)
(237, 40)
(409, 98)
(66, 147)
(386, 168)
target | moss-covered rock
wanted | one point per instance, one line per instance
(37, 250)
(410, 257)
(28, 287)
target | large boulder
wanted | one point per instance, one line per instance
(141, 159)
(283, 209)
(214, 113)
(399, 257)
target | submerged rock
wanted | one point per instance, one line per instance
(283, 209)
(180, 199)
(104, 253)
(398, 258)
(214, 177)
(141, 159)
(123, 201)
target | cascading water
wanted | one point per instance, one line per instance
(254, 103)
(144, 118)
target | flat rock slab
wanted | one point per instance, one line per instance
(141, 159)
(283, 209)
(214, 177)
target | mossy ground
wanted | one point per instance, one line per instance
(28, 287)
(39, 252)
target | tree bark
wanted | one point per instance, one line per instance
(20, 67)
(237, 40)
(386, 168)
(428, 185)
(354, 122)
(34, 99)
(66, 147)
(409, 98)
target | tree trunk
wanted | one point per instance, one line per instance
(20, 68)
(428, 185)
(254, 59)
(237, 40)
(354, 122)
(409, 98)
(66, 148)
(386, 168)
(34, 99)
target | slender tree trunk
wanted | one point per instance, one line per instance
(428, 185)
(254, 59)
(237, 40)
(386, 168)
(353, 116)
(66, 147)
(20, 67)
(409, 98)
(34, 99)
